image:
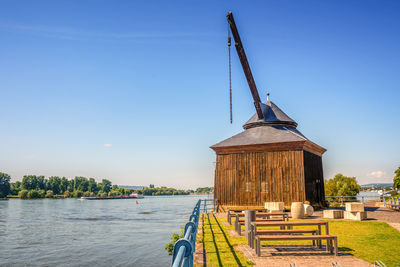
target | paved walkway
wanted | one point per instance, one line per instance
(286, 255)
(374, 213)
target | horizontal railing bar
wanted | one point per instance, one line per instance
(179, 257)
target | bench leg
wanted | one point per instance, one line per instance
(328, 246)
(252, 235)
(258, 247)
(319, 233)
(336, 246)
(313, 242)
(249, 238)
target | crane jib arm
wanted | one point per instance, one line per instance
(245, 65)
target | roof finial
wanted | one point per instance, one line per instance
(268, 96)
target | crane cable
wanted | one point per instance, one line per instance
(230, 75)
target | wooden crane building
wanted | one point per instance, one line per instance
(270, 160)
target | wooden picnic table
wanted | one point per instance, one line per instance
(239, 222)
(268, 215)
(288, 224)
(234, 212)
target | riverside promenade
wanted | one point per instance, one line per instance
(218, 244)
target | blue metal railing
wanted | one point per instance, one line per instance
(185, 247)
(394, 202)
(209, 203)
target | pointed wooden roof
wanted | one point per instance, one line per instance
(276, 131)
(273, 115)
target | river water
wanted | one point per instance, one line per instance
(72, 232)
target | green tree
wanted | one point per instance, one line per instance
(106, 185)
(342, 186)
(396, 179)
(70, 186)
(92, 185)
(15, 188)
(4, 184)
(63, 185)
(53, 184)
(204, 190)
(30, 182)
(81, 183)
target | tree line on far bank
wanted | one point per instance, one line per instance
(34, 186)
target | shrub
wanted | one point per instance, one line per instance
(170, 246)
(66, 194)
(102, 194)
(86, 194)
(114, 193)
(42, 193)
(78, 193)
(33, 194)
(49, 194)
(23, 194)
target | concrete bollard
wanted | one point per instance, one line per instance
(249, 217)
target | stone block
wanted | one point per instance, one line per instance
(274, 206)
(354, 207)
(333, 214)
(308, 210)
(356, 216)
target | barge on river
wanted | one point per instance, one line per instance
(133, 195)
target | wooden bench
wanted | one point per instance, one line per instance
(239, 223)
(271, 232)
(328, 238)
(289, 225)
(266, 215)
(239, 211)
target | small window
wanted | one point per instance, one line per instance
(248, 187)
(264, 187)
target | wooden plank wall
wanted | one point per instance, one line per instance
(239, 177)
(314, 178)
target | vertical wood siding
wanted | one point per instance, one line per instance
(315, 192)
(282, 173)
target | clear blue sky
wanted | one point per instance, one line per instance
(137, 91)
